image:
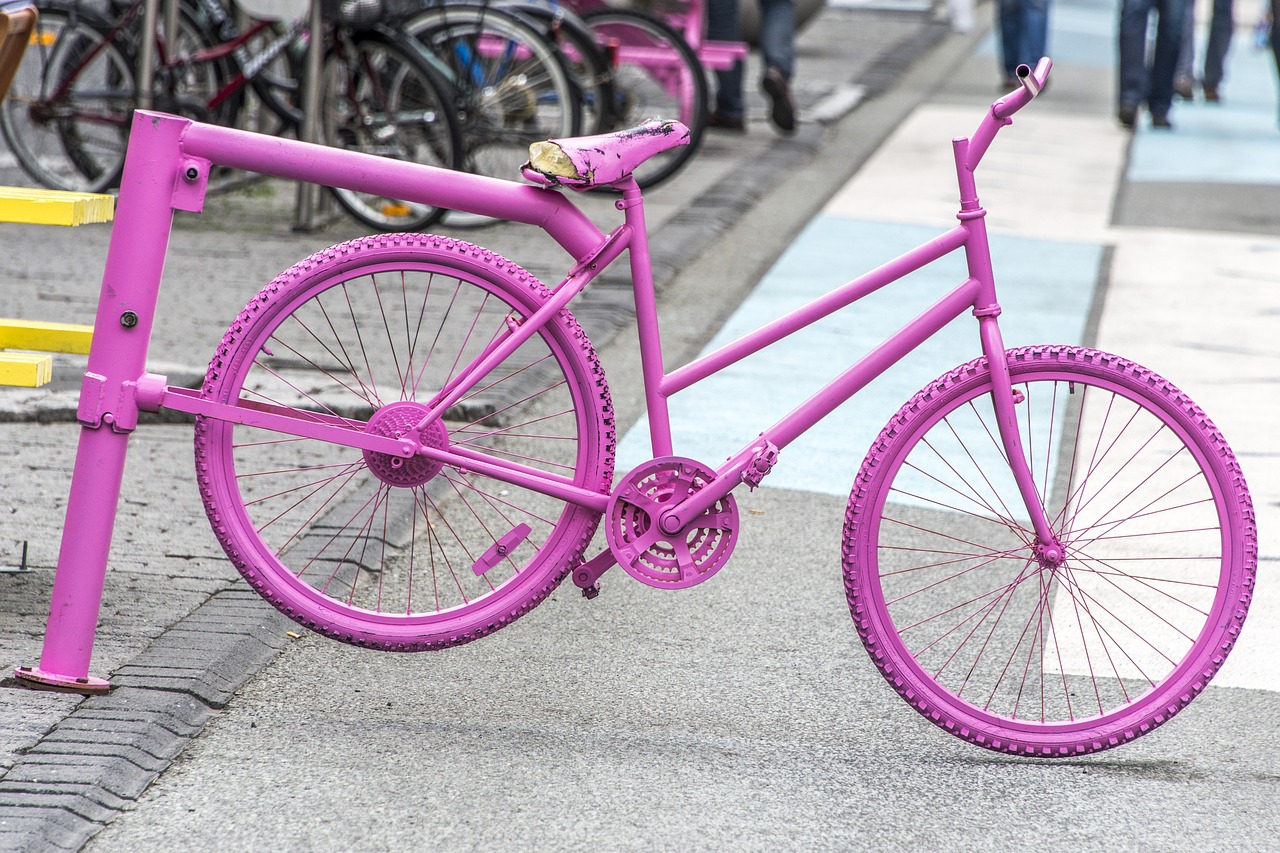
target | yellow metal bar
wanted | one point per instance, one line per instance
(44, 336)
(54, 207)
(25, 369)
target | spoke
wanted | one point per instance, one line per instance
(1117, 573)
(1007, 523)
(492, 499)
(367, 394)
(386, 326)
(325, 503)
(344, 469)
(1075, 586)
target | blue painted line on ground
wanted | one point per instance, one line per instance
(1046, 289)
(1233, 142)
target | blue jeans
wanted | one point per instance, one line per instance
(1024, 32)
(1221, 26)
(1139, 81)
(777, 45)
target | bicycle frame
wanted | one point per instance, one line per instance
(167, 168)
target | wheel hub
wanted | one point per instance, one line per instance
(395, 421)
(1050, 556)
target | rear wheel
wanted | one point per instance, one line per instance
(1062, 650)
(375, 550)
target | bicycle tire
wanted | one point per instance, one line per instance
(676, 88)
(588, 68)
(184, 87)
(382, 99)
(991, 642)
(277, 109)
(73, 139)
(509, 85)
(363, 332)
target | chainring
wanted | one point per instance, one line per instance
(679, 560)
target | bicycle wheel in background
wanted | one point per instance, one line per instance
(656, 75)
(375, 550)
(1015, 649)
(66, 117)
(380, 99)
(588, 67)
(183, 85)
(509, 86)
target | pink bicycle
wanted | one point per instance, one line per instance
(405, 442)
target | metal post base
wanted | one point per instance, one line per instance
(31, 676)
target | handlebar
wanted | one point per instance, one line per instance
(1032, 84)
(1001, 111)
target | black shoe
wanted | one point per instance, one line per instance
(1161, 120)
(1211, 93)
(1127, 115)
(724, 122)
(782, 111)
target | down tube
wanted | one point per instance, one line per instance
(828, 399)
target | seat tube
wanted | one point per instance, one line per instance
(108, 409)
(632, 205)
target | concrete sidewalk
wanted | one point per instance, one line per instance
(178, 632)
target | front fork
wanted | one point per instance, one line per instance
(1048, 549)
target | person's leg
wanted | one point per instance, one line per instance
(777, 44)
(1132, 76)
(1275, 41)
(722, 25)
(778, 35)
(1035, 31)
(1009, 26)
(1164, 60)
(1221, 28)
(1187, 53)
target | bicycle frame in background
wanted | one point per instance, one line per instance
(167, 169)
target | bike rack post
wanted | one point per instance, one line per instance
(156, 180)
(308, 194)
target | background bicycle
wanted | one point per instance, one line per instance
(66, 119)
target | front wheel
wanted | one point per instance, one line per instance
(376, 550)
(997, 639)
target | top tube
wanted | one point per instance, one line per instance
(319, 164)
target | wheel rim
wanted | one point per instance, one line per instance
(1130, 616)
(366, 553)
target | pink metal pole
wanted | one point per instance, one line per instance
(108, 408)
(333, 167)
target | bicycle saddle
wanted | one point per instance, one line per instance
(582, 162)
